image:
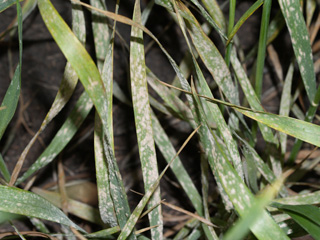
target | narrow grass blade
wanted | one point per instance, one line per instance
(214, 112)
(209, 230)
(291, 11)
(176, 105)
(67, 86)
(91, 80)
(251, 96)
(75, 54)
(106, 206)
(238, 193)
(191, 224)
(5, 4)
(119, 198)
(6, 217)
(39, 225)
(168, 4)
(195, 112)
(3, 169)
(10, 101)
(215, 12)
(101, 32)
(251, 155)
(310, 8)
(210, 56)
(232, 12)
(146, 12)
(272, 141)
(303, 199)
(168, 152)
(275, 26)
(142, 114)
(12, 95)
(262, 46)
(139, 208)
(243, 18)
(103, 39)
(307, 216)
(79, 209)
(194, 235)
(14, 200)
(305, 131)
(309, 117)
(285, 104)
(252, 215)
(63, 136)
(209, 19)
(104, 234)
(251, 174)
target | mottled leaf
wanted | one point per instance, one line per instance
(142, 114)
(18, 201)
(291, 11)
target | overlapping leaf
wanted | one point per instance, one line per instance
(142, 114)
(14, 200)
(291, 11)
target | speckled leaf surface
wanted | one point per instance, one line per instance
(251, 154)
(215, 12)
(63, 136)
(104, 53)
(142, 114)
(250, 95)
(301, 199)
(14, 200)
(291, 11)
(214, 113)
(166, 148)
(212, 22)
(4, 4)
(143, 202)
(91, 80)
(210, 56)
(307, 216)
(176, 105)
(285, 104)
(77, 208)
(252, 216)
(76, 54)
(305, 131)
(67, 86)
(238, 193)
(106, 206)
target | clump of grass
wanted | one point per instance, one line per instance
(254, 196)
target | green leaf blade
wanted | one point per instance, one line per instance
(291, 11)
(18, 201)
(305, 131)
(142, 114)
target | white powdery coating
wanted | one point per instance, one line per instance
(100, 29)
(300, 38)
(215, 63)
(142, 112)
(105, 202)
(78, 23)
